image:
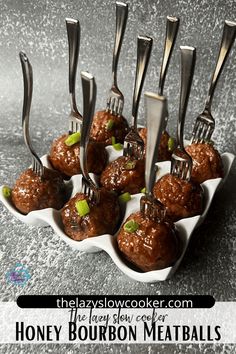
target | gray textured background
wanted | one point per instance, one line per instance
(38, 28)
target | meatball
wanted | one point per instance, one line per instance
(101, 219)
(124, 174)
(207, 163)
(32, 192)
(106, 125)
(181, 198)
(66, 158)
(152, 246)
(164, 153)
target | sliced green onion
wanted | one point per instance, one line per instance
(73, 139)
(130, 165)
(143, 190)
(113, 140)
(125, 197)
(118, 146)
(110, 124)
(171, 144)
(6, 191)
(131, 226)
(82, 207)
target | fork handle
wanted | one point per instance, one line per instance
(73, 34)
(121, 20)
(143, 55)
(89, 97)
(227, 41)
(28, 90)
(188, 59)
(172, 27)
(155, 114)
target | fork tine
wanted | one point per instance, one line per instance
(120, 107)
(116, 106)
(192, 141)
(34, 167)
(204, 130)
(113, 102)
(200, 128)
(209, 133)
(108, 103)
(185, 170)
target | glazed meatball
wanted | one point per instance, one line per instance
(181, 198)
(164, 153)
(124, 174)
(152, 246)
(66, 158)
(32, 192)
(101, 219)
(106, 125)
(207, 163)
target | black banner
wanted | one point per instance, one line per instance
(116, 301)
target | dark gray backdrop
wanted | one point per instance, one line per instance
(38, 28)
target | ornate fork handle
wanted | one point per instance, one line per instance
(225, 47)
(143, 56)
(121, 20)
(28, 90)
(172, 27)
(155, 113)
(89, 99)
(73, 33)
(188, 59)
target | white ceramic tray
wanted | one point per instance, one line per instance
(107, 242)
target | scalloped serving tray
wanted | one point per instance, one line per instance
(107, 243)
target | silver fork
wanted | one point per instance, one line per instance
(73, 34)
(115, 100)
(172, 27)
(205, 123)
(155, 113)
(133, 143)
(37, 165)
(181, 162)
(89, 99)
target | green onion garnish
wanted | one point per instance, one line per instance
(110, 124)
(171, 144)
(82, 207)
(143, 190)
(131, 226)
(125, 197)
(130, 165)
(6, 191)
(73, 139)
(118, 146)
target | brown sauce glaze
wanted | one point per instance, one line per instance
(103, 218)
(153, 246)
(32, 192)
